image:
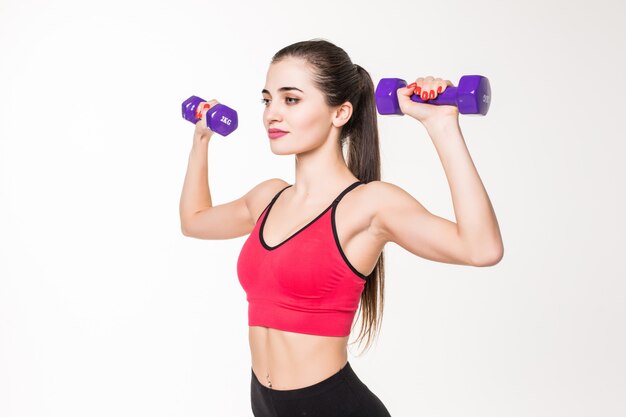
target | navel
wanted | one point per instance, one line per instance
(269, 383)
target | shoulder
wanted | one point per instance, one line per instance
(374, 196)
(272, 186)
(381, 193)
(384, 200)
(369, 199)
(260, 196)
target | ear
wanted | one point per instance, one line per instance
(342, 114)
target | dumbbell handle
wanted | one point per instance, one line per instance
(472, 96)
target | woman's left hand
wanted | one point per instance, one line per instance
(427, 88)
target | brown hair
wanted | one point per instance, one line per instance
(340, 80)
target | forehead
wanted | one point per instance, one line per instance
(293, 72)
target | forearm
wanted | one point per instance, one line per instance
(475, 217)
(196, 194)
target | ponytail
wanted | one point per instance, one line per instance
(364, 163)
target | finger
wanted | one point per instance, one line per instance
(426, 86)
(416, 87)
(429, 82)
(443, 85)
(439, 87)
(199, 109)
(206, 107)
(407, 91)
(432, 88)
(419, 84)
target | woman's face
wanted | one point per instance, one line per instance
(293, 104)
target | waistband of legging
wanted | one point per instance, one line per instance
(344, 373)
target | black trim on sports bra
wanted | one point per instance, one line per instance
(271, 202)
(269, 207)
(336, 236)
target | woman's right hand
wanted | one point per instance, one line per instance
(202, 132)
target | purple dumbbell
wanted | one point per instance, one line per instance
(472, 96)
(220, 118)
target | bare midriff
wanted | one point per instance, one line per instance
(284, 360)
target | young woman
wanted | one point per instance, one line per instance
(314, 253)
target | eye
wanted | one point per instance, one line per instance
(294, 100)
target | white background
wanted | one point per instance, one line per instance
(106, 309)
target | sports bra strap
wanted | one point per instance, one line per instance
(272, 201)
(339, 197)
(280, 192)
(344, 192)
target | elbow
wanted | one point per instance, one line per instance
(184, 230)
(489, 258)
(186, 225)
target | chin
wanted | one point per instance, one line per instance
(280, 149)
(282, 152)
(286, 149)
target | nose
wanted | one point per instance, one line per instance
(272, 114)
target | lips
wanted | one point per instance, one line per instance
(275, 133)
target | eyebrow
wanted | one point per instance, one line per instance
(281, 89)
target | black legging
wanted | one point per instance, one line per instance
(340, 395)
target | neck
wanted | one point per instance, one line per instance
(320, 173)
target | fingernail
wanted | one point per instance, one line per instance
(432, 94)
(418, 90)
(439, 89)
(424, 95)
(411, 85)
(199, 110)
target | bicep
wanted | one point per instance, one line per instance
(401, 219)
(224, 221)
(232, 219)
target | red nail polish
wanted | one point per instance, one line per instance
(411, 85)
(424, 95)
(200, 108)
(418, 90)
(439, 89)
(432, 94)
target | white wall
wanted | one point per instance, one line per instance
(106, 309)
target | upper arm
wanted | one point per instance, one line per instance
(233, 219)
(401, 219)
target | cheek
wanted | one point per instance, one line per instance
(311, 123)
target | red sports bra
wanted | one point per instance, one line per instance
(304, 284)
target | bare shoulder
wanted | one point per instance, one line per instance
(380, 190)
(378, 194)
(260, 196)
(374, 196)
(383, 198)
